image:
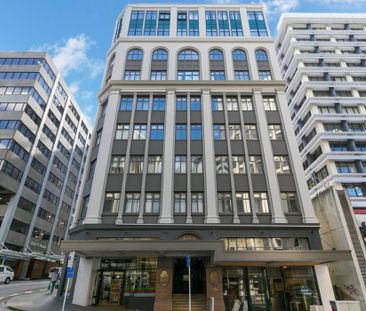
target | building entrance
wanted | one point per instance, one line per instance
(198, 276)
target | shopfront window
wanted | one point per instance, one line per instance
(119, 281)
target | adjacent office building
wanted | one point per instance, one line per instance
(323, 61)
(194, 154)
(44, 139)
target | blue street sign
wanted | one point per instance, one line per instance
(188, 261)
(70, 272)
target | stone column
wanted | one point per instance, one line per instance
(214, 287)
(166, 212)
(164, 285)
(325, 285)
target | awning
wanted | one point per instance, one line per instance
(214, 249)
(30, 255)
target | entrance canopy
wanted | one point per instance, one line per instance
(214, 249)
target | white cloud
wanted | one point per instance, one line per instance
(71, 55)
(74, 88)
(277, 7)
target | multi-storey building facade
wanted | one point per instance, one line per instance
(323, 60)
(44, 139)
(193, 154)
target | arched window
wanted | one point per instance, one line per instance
(188, 65)
(188, 55)
(216, 55)
(261, 55)
(135, 54)
(160, 54)
(159, 65)
(217, 65)
(264, 67)
(240, 62)
(133, 64)
(239, 55)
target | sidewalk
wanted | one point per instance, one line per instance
(45, 301)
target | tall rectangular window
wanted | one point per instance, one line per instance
(234, 132)
(150, 23)
(117, 164)
(219, 132)
(139, 132)
(157, 132)
(275, 132)
(235, 23)
(187, 23)
(181, 103)
(142, 103)
(196, 132)
(136, 23)
(223, 23)
(136, 165)
(195, 103)
(197, 203)
(257, 24)
(217, 103)
(246, 103)
(193, 24)
(182, 23)
(126, 103)
(180, 164)
(224, 202)
(255, 164)
(180, 202)
(111, 202)
(152, 203)
(132, 203)
(222, 165)
(243, 202)
(261, 202)
(155, 165)
(282, 164)
(164, 23)
(180, 131)
(211, 24)
(238, 164)
(288, 201)
(196, 164)
(122, 131)
(158, 103)
(250, 131)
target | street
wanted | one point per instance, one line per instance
(16, 288)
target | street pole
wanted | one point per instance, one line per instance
(69, 275)
(189, 285)
(65, 294)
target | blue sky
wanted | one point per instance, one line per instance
(77, 33)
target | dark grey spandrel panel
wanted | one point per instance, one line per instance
(249, 117)
(233, 117)
(140, 117)
(151, 219)
(196, 147)
(100, 123)
(264, 219)
(188, 65)
(245, 219)
(218, 117)
(180, 219)
(217, 65)
(273, 117)
(114, 183)
(130, 219)
(197, 183)
(119, 147)
(237, 147)
(254, 147)
(159, 65)
(134, 182)
(133, 65)
(196, 117)
(181, 117)
(294, 219)
(137, 147)
(259, 183)
(180, 182)
(279, 147)
(223, 182)
(226, 219)
(156, 147)
(240, 65)
(286, 182)
(198, 219)
(157, 117)
(263, 65)
(153, 183)
(241, 182)
(109, 219)
(94, 153)
(180, 147)
(123, 117)
(220, 147)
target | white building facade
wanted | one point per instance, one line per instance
(44, 139)
(193, 154)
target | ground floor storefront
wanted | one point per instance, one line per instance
(133, 283)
